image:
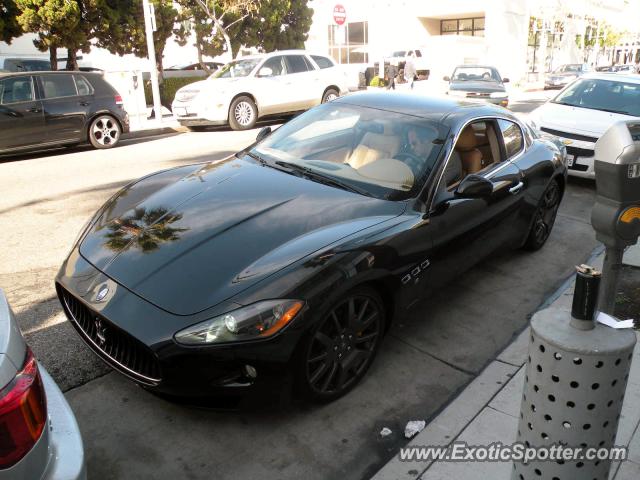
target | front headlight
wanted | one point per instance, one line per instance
(252, 322)
(186, 95)
(498, 95)
(457, 93)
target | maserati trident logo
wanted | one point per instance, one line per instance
(101, 331)
(102, 293)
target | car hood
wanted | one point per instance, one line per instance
(484, 87)
(189, 238)
(578, 120)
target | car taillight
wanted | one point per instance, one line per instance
(23, 413)
(118, 99)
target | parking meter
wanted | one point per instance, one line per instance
(616, 213)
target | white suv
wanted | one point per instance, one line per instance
(255, 86)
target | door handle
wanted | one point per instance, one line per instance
(516, 189)
(34, 110)
(84, 104)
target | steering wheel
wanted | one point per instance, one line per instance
(415, 161)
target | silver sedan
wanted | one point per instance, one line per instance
(39, 435)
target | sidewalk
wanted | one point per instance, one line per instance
(487, 411)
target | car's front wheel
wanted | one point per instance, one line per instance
(104, 132)
(545, 217)
(341, 347)
(330, 94)
(243, 113)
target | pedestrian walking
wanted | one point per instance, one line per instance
(392, 72)
(410, 69)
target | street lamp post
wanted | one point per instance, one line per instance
(149, 27)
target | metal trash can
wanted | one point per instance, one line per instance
(574, 388)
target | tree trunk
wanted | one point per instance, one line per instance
(72, 59)
(53, 58)
(200, 59)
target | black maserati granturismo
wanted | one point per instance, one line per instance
(286, 263)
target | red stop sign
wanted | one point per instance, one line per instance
(339, 14)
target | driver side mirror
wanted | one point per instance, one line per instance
(505, 80)
(446, 78)
(263, 133)
(265, 72)
(474, 186)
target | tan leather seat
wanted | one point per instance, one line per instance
(375, 146)
(470, 156)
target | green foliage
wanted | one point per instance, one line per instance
(59, 23)
(376, 82)
(278, 25)
(9, 26)
(168, 88)
(121, 27)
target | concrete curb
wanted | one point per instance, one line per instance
(493, 389)
(150, 132)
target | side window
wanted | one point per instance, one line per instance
(59, 85)
(323, 62)
(418, 53)
(15, 89)
(296, 64)
(512, 136)
(83, 85)
(276, 66)
(308, 63)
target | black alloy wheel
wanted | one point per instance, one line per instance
(343, 345)
(544, 217)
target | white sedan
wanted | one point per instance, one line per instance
(256, 86)
(584, 110)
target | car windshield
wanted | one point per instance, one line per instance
(381, 154)
(475, 74)
(607, 95)
(237, 68)
(568, 69)
(399, 53)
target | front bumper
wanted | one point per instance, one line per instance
(139, 342)
(193, 114)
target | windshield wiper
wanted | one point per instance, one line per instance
(610, 110)
(318, 177)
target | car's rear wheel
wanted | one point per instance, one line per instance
(243, 113)
(330, 94)
(544, 217)
(341, 347)
(104, 132)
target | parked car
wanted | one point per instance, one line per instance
(419, 60)
(213, 66)
(565, 74)
(478, 82)
(48, 109)
(40, 435)
(626, 69)
(292, 258)
(260, 85)
(20, 64)
(584, 110)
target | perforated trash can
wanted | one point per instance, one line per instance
(575, 383)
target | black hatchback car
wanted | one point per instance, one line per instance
(45, 109)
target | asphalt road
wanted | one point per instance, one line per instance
(428, 356)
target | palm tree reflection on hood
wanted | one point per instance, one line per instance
(143, 229)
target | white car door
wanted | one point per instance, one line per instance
(271, 86)
(303, 81)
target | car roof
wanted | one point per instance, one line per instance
(476, 66)
(46, 72)
(620, 77)
(280, 52)
(435, 108)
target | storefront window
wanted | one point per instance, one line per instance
(349, 43)
(463, 26)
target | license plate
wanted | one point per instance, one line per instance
(180, 112)
(571, 160)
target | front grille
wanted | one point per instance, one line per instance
(119, 349)
(579, 152)
(574, 136)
